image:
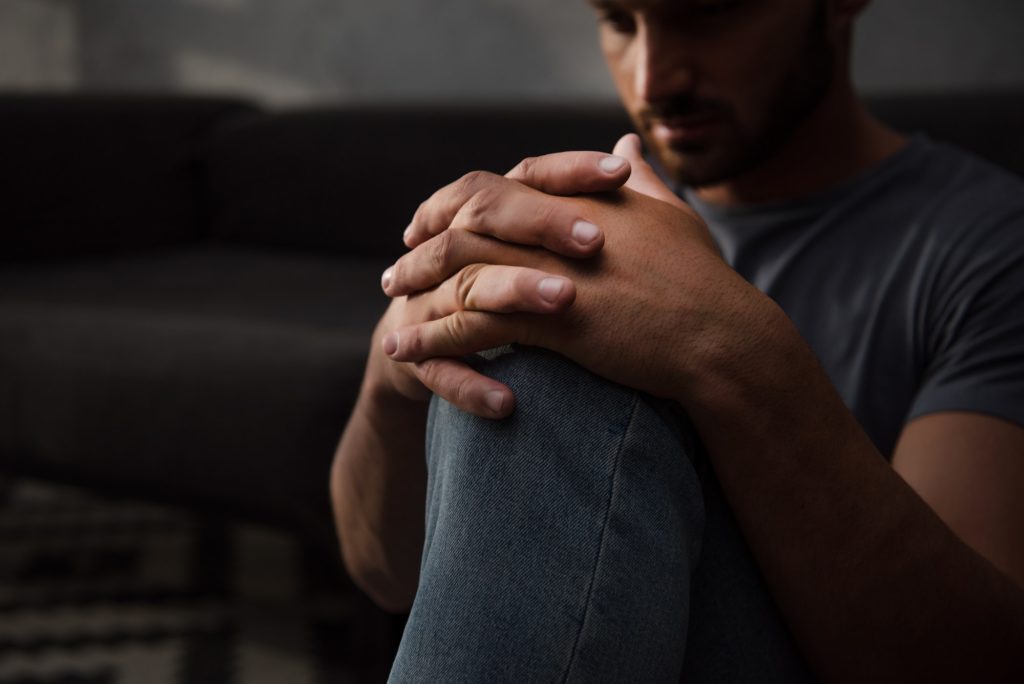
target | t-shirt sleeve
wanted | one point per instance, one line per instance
(974, 357)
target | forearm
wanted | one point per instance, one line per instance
(378, 490)
(872, 582)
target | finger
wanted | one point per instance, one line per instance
(523, 216)
(562, 173)
(644, 179)
(572, 173)
(509, 211)
(435, 214)
(433, 262)
(465, 388)
(459, 334)
(505, 289)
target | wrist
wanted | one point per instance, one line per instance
(381, 401)
(756, 358)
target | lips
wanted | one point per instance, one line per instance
(680, 130)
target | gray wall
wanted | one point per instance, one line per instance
(296, 51)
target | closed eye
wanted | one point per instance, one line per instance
(617, 20)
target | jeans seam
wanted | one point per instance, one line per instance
(604, 529)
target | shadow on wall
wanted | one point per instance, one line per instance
(302, 50)
(928, 46)
(299, 51)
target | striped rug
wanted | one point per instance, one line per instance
(104, 591)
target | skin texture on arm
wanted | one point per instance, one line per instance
(871, 580)
(378, 478)
(970, 469)
(378, 484)
(874, 585)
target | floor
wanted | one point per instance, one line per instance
(96, 590)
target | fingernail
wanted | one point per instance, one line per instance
(406, 234)
(584, 232)
(550, 288)
(495, 399)
(385, 279)
(611, 164)
(390, 343)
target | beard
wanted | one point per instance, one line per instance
(739, 149)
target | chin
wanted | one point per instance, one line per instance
(709, 162)
(699, 167)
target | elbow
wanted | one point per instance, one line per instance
(392, 594)
(386, 572)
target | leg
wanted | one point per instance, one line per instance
(562, 543)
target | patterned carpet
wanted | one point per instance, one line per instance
(100, 591)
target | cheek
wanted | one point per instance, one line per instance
(745, 81)
(620, 69)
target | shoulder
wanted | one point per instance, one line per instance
(966, 275)
(965, 197)
(958, 213)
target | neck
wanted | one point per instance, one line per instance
(839, 140)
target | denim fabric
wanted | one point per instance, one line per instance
(565, 544)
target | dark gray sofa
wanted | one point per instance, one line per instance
(187, 286)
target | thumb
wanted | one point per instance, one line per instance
(643, 178)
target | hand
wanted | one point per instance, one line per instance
(651, 307)
(478, 289)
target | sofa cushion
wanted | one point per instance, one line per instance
(350, 179)
(220, 378)
(96, 173)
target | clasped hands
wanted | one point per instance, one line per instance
(583, 253)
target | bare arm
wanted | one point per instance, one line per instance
(970, 469)
(378, 490)
(378, 479)
(873, 582)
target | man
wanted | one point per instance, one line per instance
(697, 493)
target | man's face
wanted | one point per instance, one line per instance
(716, 86)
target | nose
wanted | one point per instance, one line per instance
(661, 68)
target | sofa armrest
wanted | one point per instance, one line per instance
(95, 173)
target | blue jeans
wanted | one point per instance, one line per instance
(583, 539)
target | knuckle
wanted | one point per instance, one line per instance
(463, 391)
(426, 211)
(440, 253)
(465, 280)
(421, 210)
(545, 216)
(470, 182)
(416, 342)
(474, 212)
(580, 166)
(526, 168)
(455, 329)
(521, 287)
(427, 373)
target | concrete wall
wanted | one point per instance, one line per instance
(296, 51)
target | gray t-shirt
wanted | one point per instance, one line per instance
(907, 282)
